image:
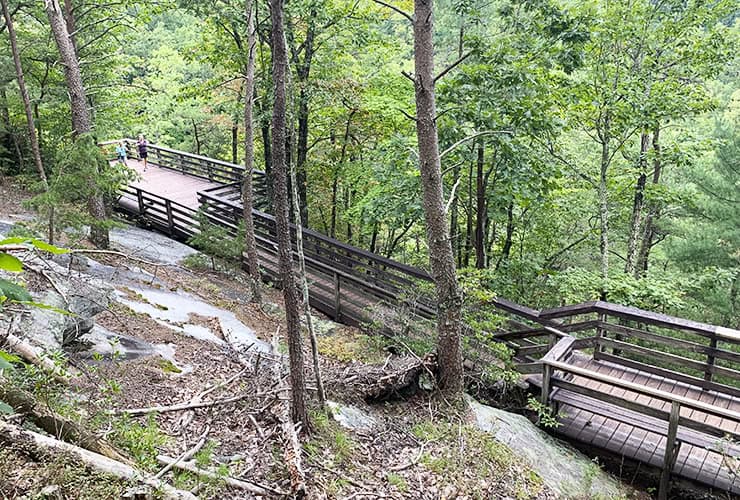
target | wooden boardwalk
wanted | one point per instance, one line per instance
(659, 390)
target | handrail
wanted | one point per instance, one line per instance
(636, 314)
(645, 390)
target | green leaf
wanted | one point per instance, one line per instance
(46, 247)
(47, 307)
(17, 240)
(10, 358)
(14, 291)
(10, 263)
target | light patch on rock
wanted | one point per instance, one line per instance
(563, 469)
(149, 245)
(351, 417)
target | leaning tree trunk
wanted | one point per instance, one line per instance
(250, 244)
(637, 205)
(81, 118)
(303, 73)
(280, 192)
(24, 94)
(442, 260)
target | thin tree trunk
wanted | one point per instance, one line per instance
(81, 118)
(469, 219)
(374, 238)
(637, 205)
(9, 135)
(481, 212)
(69, 17)
(35, 148)
(235, 142)
(303, 73)
(604, 211)
(196, 137)
(24, 94)
(250, 243)
(280, 189)
(648, 232)
(334, 190)
(306, 298)
(442, 261)
(509, 240)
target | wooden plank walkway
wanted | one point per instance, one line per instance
(346, 282)
(169, 184)
(612, 428)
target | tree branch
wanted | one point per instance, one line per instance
(452, 66)
(396, 9)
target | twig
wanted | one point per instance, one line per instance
(401, 467)
(243, 484)
(191, 405)
(185, 456)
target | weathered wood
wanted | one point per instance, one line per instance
(561, 349)
(671, 451)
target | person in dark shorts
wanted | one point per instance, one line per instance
(142, 145)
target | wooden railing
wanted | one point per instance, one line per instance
(678, 351)
(165, 215)
(345, 281)
(194, 165)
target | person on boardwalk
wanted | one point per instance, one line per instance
(142, 145)
(121, 153)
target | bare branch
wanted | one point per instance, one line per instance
(396, 9)
(452, 66)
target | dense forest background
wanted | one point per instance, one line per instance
(590, 149)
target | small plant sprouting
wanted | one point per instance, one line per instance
(546, 417)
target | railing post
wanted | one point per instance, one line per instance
(170, 220)
(671, 451)
(600, 333)
(710, 358)
(337, 297)
(140, 200)
(546, 380)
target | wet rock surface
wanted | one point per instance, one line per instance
(150, 246)
(563, 469)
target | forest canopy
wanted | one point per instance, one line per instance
(589, 149)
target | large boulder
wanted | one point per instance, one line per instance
(562, 468)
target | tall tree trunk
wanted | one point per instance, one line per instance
(604, 210)
(469, 219)
(280, 189)
(10, 138)
(81, 118)
(648, 232)
(69, 17)
(304, 73)
(481, 212)
(509, 240)
(442, 261)
(24, 95)
(637, 205)
(250, 244)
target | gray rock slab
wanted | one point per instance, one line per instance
(564, 470)
(149, 245)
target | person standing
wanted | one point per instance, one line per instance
(121, 153)
(142, 145)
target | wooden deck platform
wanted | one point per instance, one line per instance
(612, 428)
(167, 183)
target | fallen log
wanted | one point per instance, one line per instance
(24, 402)
(38, 445)
(400, 383)
(35, 357)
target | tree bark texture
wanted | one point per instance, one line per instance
(604, 213)
(250, 244)
(481, 211)
(280, 191)
(442, 261)
(648, 232)
(81, 117)
(637, 205)
(35, 149)
(304, 72)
